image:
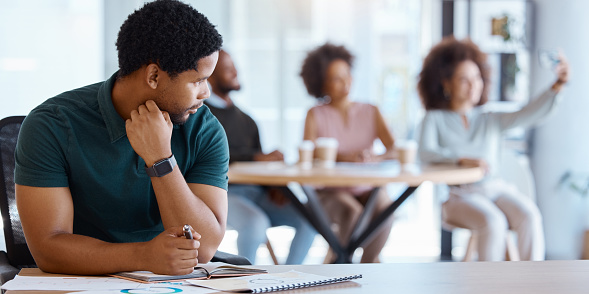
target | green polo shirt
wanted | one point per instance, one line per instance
(78, 140)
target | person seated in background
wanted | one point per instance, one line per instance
(326, 72)
(252, 209)
(107, 175)
(453, 84)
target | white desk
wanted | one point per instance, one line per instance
(554, 277)
(517, 277)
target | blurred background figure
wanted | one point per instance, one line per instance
(453, 84)
(252, 209)
(326, 72)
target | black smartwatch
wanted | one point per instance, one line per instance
(162, 167)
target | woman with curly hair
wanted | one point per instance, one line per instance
(326, 73)
(453, 83)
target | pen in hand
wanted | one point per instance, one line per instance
(187, 232)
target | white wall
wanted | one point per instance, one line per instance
(47, 47)
(117, 11)
(562, 143)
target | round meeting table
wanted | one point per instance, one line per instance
(376, 175)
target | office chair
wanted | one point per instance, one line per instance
(17, 253)
(268, 246)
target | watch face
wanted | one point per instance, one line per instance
(163, 167)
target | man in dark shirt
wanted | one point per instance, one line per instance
(107, 175)
(252, 209)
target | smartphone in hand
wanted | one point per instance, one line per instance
(548, 58)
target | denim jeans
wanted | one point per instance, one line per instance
(251, 213)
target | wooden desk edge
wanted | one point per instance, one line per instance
(457, 176)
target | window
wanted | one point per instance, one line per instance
(48, 47)
(269, 39)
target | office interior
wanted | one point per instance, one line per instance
(48, 47)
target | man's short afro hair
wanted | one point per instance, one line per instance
(166, 32)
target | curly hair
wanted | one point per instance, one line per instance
(316, 63)
(166, 32)
(439, 65)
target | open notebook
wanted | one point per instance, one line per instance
(202, 271)
(274, 282)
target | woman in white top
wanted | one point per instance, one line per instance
(453, 83)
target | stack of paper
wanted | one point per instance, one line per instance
(97, 285)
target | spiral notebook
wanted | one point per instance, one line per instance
(271, 282)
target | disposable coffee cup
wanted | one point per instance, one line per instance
(407, 151)
(306, 150)
(326, 152)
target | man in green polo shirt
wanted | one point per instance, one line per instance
(107, 175)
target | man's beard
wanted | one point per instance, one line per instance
(178, 118)
(181, 118)
(229, 88)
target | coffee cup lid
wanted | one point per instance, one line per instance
(326, 142)
(307, 145)
(406, 144)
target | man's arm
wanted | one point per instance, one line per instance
(275, 155)
(202, 206)
(47, 219)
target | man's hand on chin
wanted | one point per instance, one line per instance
(150, 132)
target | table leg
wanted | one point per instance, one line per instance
(365, 216)
(446, 245)
(379, 221)
(315, 214)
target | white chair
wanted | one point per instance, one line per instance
(515, 168)
(268, 246)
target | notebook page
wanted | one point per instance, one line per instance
(270, 282)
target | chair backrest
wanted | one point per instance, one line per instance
(515, 168)
(16, 245)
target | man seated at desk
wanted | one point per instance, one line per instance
(107, 175)
(252, 209)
